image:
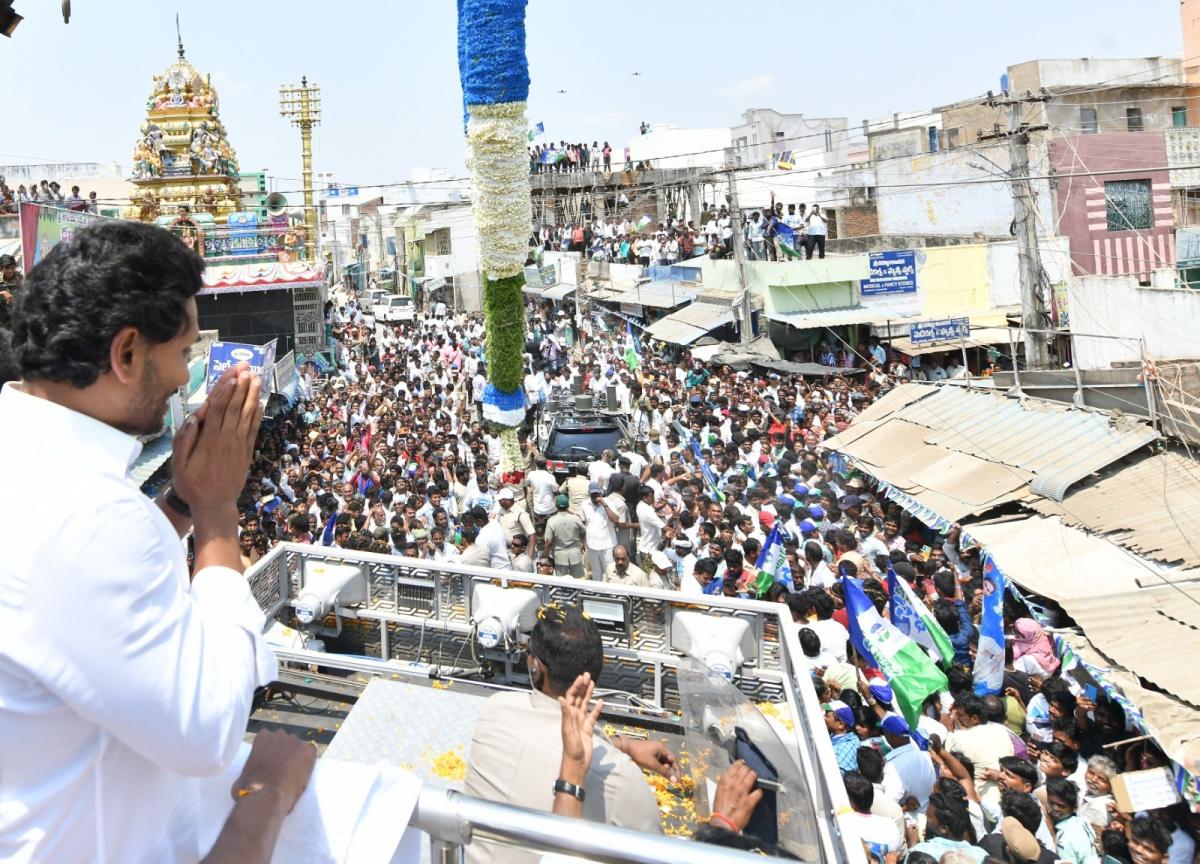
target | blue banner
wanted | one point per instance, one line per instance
(891, 273)
(222, 355)
(939, 331)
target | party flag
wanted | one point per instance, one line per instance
(989, 655)
(910, 673)
(913, 619)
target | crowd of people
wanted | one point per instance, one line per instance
(389, 455)
(566, 157)
(47, 193)
(648, 242)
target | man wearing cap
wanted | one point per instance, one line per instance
(664, 570)
(10, 284)
(839, 720)
(513, 519)
(908, 770)
(685, 563)
(600, 518)
(564, 540)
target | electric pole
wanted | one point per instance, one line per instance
(302, 105)
(1029, 259)
(739, 249)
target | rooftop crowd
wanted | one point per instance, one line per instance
(47, 193)
(389, 456)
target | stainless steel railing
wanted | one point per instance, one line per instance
(454, 820)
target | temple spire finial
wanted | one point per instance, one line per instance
(179, 35)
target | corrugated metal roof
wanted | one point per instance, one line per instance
(838, 317)
(690, 323)
(1174, 724)
(980, 337)
(153, 456)
(1151, 506)
(1059, 444)
(1149, 632)
(658, 295)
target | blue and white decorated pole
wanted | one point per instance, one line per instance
(495, 82)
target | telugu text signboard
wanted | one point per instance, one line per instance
(939, 331)
(222, 355)
(891, 273)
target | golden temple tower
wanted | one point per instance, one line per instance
(182, 156)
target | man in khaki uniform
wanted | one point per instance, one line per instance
(513, 519)
(564, 540)
(516, 750)
(623, 572)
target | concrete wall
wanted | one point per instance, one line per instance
(954, 192)
(1118, 306)
(1082, 202)
(765, 132)
(671, 147)
(462, 264)
(1004, 278)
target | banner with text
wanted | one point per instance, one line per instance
(891, 273)
(43, 228)
(222, 355)
(939, 331)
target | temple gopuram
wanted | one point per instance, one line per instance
(257, 287)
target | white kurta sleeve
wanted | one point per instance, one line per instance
(123, 642)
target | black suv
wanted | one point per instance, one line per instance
(579, 440)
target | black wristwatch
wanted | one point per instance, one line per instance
(561, 785)
(177, 504)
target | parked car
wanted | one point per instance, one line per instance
(393, 308)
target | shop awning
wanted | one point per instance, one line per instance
(979, 338)
(838, 317)
(657, 295)
(558, 292)
(690, 323)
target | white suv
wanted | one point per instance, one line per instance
(394, 308)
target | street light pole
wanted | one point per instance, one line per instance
(302, 105)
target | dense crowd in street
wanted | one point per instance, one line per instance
(389, 456)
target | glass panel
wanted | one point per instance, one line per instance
(1128, 203)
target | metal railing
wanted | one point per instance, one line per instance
(454, 820)
(413, 604)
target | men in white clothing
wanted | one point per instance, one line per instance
(600, 522)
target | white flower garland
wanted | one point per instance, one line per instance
(500, 167)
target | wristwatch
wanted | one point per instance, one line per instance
(561, 785)
(176, 503)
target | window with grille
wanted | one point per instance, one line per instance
(441, 241)
(1088, 122)
(1129, 205)
(1133, 119)
(1179, 116)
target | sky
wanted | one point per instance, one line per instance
(388, 70)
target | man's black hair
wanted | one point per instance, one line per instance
(567, 644)
(952, 815)
(8, 360)
(1023, 807)
(1023, 768)
(971, 705)
(810, 642)
(111, 275)
(943, 581)
(1064, 754)
(947, 616)
(859, 790)
(1146, 829)
(822, 604)
(870, 763)
(1064, 789)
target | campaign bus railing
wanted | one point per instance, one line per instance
(413, 617)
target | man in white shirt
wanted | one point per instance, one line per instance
(650, 526)
(122, 681)
(491, 539)
(544, 488)
(600, 521)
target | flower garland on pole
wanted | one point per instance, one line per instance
(495, 81)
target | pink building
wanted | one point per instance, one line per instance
(1114, 202)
